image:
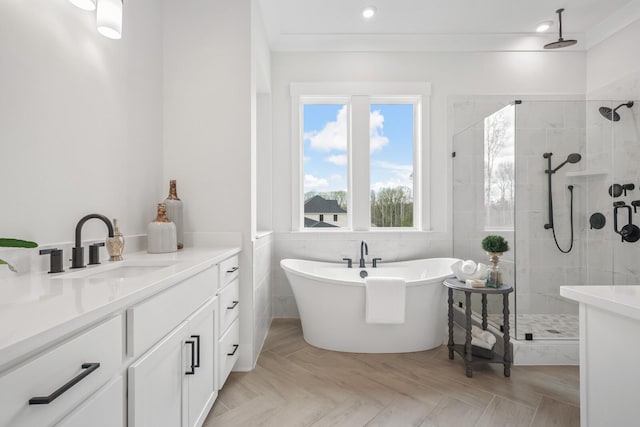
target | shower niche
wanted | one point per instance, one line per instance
(539, 173)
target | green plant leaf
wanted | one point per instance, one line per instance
(16, 243)
(2, 262)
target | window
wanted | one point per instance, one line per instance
(357, 152)
(325, 144)
(391, 143)
(499, 171)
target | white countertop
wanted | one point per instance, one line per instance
(623, 300)
(40, 308)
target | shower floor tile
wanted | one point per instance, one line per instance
(542, 326)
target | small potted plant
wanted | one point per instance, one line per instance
(14, 243)
(495, 247)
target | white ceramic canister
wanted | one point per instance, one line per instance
(161, 233)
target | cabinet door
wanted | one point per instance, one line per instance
(156, 383)
(103, 409)
(202, 384)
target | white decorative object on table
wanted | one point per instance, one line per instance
(161, 234)
(478, 271)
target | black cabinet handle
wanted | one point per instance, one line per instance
(232, 270)
(45, 400)
(197, 337)
(235, 303)
(235, 348)
(193, 357)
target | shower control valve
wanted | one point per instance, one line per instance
(635, 205)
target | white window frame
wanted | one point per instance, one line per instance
(358, 96)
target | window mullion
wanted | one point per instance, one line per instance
(359, 161)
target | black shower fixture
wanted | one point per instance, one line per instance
(612, 115)
(571, 158)
(561, 42)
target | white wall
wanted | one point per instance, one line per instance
(80, 120)
(450, 74)
(615, 62)
(213, 55)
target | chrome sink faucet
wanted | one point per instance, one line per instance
(77, 253)
(364, 250)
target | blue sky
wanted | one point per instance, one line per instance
(325, 146)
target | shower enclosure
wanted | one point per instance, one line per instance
(537, 172)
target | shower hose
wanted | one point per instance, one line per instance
(553, 229)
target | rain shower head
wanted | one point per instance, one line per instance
(612, 115)
(561, 42)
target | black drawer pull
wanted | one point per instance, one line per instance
(193, 357)
(197, 337)
(232, 270)
(235, 348)
(235, 303)
(45, 400)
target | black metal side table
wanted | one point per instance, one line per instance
(465, 350)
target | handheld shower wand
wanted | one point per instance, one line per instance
(571, 158)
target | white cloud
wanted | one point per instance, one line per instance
(337, 159)
(333, 136)
(394, 166)
(306, 159)
(313, 183)
(376, 123)
(392, 183)
(336, 178)
(401, 175)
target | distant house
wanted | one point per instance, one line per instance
(320, 212)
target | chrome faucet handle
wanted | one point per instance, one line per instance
(349, 262)
(375, 262)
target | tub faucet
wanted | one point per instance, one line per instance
(77, 253)
(364, 250)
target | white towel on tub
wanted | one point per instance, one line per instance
(385, 299)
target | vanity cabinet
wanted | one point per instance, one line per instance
(174, 383)
(228, 314)
(46, 388)
(155, 361)
(104, 409)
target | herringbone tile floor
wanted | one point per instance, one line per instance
(296, 384)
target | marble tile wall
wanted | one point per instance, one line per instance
(610, 154)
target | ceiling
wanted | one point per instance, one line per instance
(438, 25)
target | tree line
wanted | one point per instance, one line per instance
(390, 207)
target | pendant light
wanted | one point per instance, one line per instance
(84, 4)
(109, 18)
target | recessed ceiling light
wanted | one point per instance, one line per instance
(544, 26)
(369, 12)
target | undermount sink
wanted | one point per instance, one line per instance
(117, 270)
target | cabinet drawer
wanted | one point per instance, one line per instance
(229, 270)
(229, 351)
(229, 305)
(73, 364)
(103, 409)
(154, 318)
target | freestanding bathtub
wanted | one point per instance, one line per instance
(331, 302)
